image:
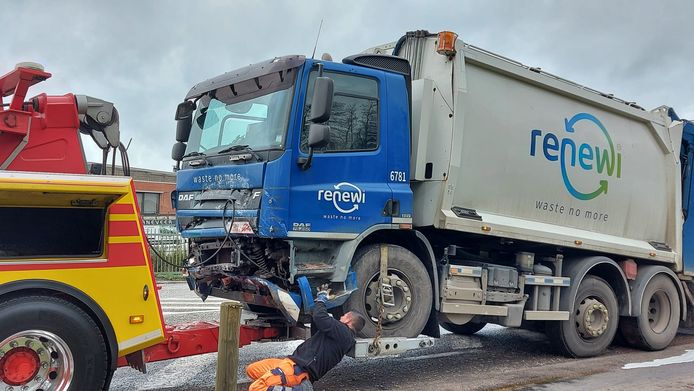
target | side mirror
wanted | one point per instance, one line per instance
(184, 118)
(318, 135)
(322, 101)
(185, 109)
(178, 150)
(183, 126)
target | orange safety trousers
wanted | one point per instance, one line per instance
(274, 372)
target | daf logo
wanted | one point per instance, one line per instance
(186, 197)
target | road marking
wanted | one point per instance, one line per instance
(688, 356)
(191, 305)
(195, 298)
(187, 312)
(435, 355)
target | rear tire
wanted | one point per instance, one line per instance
(592, 322)
(59, 333)
(468, 328)
(404, 267)
(657, 325)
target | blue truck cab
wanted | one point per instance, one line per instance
(263, 208)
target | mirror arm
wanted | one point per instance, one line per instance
(305, 162)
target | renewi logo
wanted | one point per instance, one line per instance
(345, 197)
(603, 161)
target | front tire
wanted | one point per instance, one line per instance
(411, 287)
(50, 344)
(657, 325)
(592, 322)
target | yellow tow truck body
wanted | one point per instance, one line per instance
(112, 280)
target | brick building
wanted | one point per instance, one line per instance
(153, 189)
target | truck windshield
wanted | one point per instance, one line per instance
(259, 122)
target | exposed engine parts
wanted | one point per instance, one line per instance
(241, 256)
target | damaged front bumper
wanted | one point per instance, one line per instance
(290, 304)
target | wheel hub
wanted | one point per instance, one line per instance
(19, 366)
(402, 299)
(35, 360)
(659, 309)
(592, 318)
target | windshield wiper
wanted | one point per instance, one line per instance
(242, 147)
(194, 153)
(195, 163)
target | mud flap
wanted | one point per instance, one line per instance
(432, 328)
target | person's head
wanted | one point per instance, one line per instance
(353, 320)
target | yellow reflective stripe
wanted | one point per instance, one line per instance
(65, 188)
(123, 239)
(127, 199)
(122, 217)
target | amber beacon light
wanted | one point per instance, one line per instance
(446, 43)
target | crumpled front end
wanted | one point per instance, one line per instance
(288, 305)
(218, 201)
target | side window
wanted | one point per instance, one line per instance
(354, 118)
(149, 202)
(51, 232)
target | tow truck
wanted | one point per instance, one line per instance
(78, 295)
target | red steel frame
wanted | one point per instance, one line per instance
(190, 339)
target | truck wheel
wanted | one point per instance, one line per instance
(468, 328)
(657, 325)
(592, 324)
(47, 343)
(412, 292)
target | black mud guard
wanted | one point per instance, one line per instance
(578, 268)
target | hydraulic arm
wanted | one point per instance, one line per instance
(42, 134)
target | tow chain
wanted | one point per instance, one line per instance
(383, 279)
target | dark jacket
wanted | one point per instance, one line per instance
(320, 353)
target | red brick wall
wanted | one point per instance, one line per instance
(159, 187)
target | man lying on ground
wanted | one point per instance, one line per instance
(314, 357)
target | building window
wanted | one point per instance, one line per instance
(149, 202)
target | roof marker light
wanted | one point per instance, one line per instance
(446, 43)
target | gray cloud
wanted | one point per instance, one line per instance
(145, 55)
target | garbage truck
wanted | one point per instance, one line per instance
(433, 183)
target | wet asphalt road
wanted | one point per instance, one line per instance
(496, 358)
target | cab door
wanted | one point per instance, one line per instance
(345, 189)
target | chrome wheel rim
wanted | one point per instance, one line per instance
(35, 360)
(402, 293)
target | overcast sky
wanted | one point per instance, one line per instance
(145, 55)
